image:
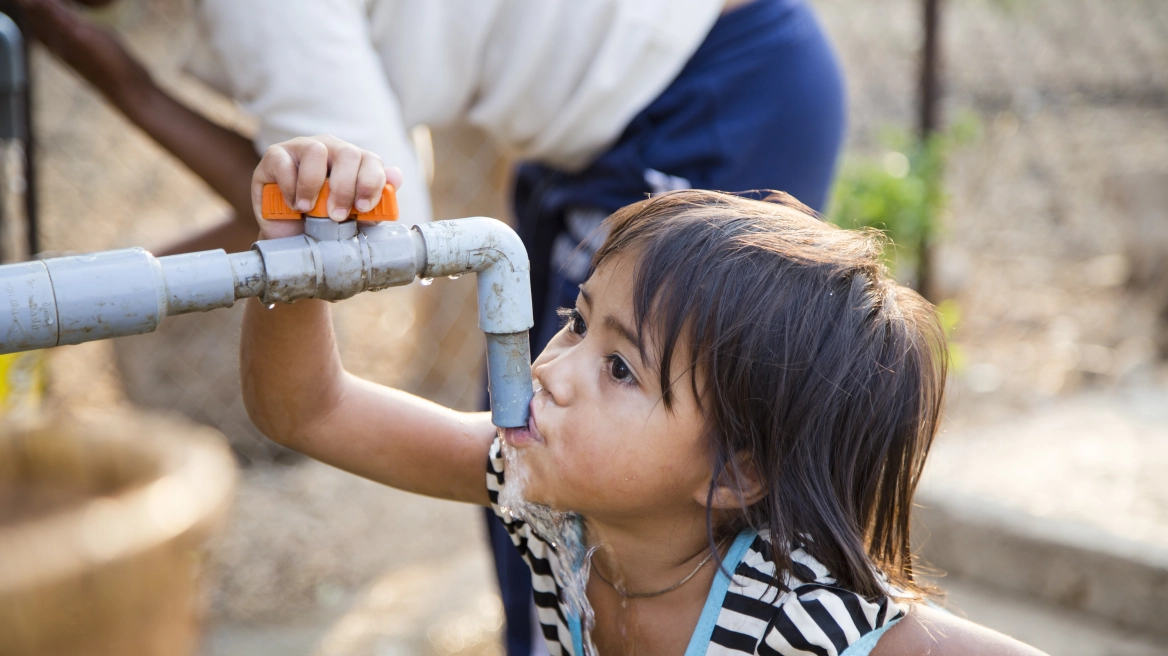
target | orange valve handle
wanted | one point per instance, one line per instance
(274, 207)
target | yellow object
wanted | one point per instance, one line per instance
(22, 382)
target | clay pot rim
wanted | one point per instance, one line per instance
(185, 490)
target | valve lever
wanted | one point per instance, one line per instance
(273, 206)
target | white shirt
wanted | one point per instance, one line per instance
(549, 80)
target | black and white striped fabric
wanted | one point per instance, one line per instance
(813, 618)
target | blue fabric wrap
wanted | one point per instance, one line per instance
(705, 627)
(760, 105)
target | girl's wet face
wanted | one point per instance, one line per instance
(603, 442)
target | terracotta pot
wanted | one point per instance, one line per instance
(101, 526)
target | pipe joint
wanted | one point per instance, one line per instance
(495, 253)
(336, 267)
(107, 294)
(491, 249)
(392, 254)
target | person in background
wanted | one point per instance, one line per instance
(602, 102)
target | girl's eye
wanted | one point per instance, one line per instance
(619, 370)
(573, 320)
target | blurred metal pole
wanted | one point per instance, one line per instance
(930, 83)
(31, 198)
(23, 375)
(13, 85)
(928, 105)
(12, 80)
(17, 233)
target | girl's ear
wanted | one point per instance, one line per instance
(738, 486)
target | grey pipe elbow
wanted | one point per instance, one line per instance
(493, 251)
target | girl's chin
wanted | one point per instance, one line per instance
(533, 489)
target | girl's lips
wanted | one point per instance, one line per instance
(525, 435)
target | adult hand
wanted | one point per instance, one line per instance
(91, 51)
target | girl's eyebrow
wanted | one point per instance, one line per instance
(623, 330)
(615, 324)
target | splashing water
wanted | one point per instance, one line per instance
(563, 530)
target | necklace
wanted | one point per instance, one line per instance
(641, 595)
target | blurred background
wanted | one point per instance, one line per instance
(1035, 214)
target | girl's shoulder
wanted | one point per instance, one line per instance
(813, 615)
(935, 632)
(810, 614)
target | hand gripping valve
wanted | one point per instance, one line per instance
(82, 298)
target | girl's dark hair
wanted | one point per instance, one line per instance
(810, 365)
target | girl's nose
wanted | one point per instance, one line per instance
(550, 373)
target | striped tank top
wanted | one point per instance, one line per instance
(743, 614)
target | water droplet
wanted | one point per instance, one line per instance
(272, 306)
(456, 276)
(50, 321)
(426, 282)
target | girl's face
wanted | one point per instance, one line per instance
(600, 441)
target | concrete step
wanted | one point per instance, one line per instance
(1068, 504)
(1063, 563)
(450, 607)
(1049, 627)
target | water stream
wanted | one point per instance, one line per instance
(565, 532)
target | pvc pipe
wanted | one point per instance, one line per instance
(509, 378)
(28, 319)
(495, 252)
(69, 300)
(247, 268)
(107, 294)
(334, 269)
(197, 282)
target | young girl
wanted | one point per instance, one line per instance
(732, 421)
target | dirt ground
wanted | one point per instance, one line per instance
(1072, 101)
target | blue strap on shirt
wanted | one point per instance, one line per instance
(709, 617)
(699, 642)
(867, 642)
